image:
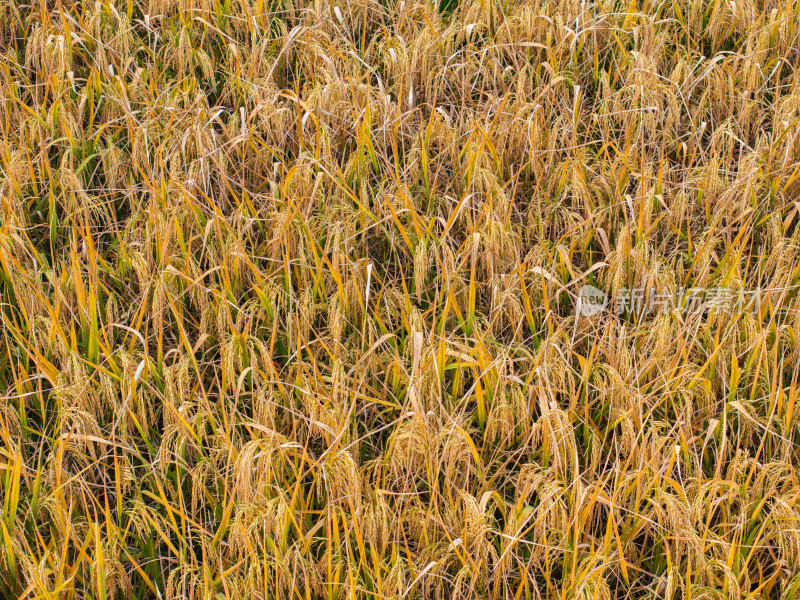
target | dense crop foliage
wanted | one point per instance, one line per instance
(288, 299)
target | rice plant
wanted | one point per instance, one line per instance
(292, 299)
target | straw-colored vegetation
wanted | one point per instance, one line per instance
(288, 299)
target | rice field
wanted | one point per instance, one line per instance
(380, 300)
